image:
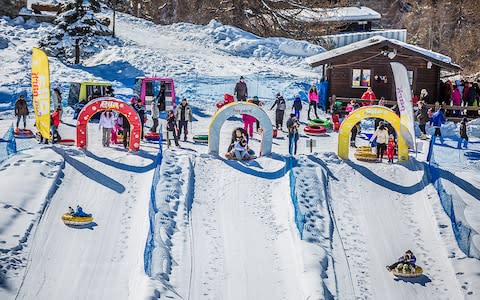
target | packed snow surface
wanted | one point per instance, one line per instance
(220, 229)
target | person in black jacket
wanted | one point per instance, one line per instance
(126, 130)
(137, 105)
(463, 134)
(173, 128)
(279, 111)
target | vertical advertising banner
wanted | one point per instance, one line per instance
(404, 102)
(41, 91)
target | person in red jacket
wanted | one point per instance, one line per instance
(390, 149)
(55, 123)
(368, 95)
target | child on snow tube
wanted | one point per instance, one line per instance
(78, 213)
(405, 263)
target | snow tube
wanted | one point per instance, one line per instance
(151, 136)
(69, 219)
(200, 138)
(418, 272)
(66, 142)
(365, 156)
(231, 156)
(220, 104)
(321, 122)
(23, 133)
(315, 130)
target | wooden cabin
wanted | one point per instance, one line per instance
(353, 68)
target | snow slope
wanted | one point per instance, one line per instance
(238, 239)
(381, 211)
(242, 246)
(97, 261)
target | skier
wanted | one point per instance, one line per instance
(390, 149)
(172, 127)
(297, 107)
(381, 134)
(21, 111)
(312, 101)
(241, 90)
(183, 116)
(106, 123)
(279, 111)
(292, 126)
(405, 262)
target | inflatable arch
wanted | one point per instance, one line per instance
(376, 111)
(238, 108)
(108, 103)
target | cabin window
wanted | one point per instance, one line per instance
(361, 77)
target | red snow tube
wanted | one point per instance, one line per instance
(227, 98)
(315, 130)
(66, 142)
(152, 136)
(220, 104)
(23, 133)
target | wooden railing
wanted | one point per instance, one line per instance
(389, 103)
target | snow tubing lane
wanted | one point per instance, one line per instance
(23, 134)
(418, 272)
(321, 122)
(315, 130)
(68, 219)
(201, 138)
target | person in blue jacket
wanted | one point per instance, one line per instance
(437, 120)
(297, 107)
(81, 213)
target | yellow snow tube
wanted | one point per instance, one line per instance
(68, 219)
(364, 148)
(418, 272)
(365, 154)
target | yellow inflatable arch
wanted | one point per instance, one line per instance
(366, 112)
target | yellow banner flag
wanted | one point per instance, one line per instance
(41, 91)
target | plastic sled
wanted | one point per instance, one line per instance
(418, 272)
(151, 136)
(231, 156)
(66, 142)
(23, 133)
(315, 130)
(200, 138)
(73, 220)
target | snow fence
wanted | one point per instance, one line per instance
(299, 216)
(461, 229)
(150, 244)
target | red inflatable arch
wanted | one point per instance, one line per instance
(108, 103)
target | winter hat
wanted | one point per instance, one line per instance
(277, 94)
(241, 77)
